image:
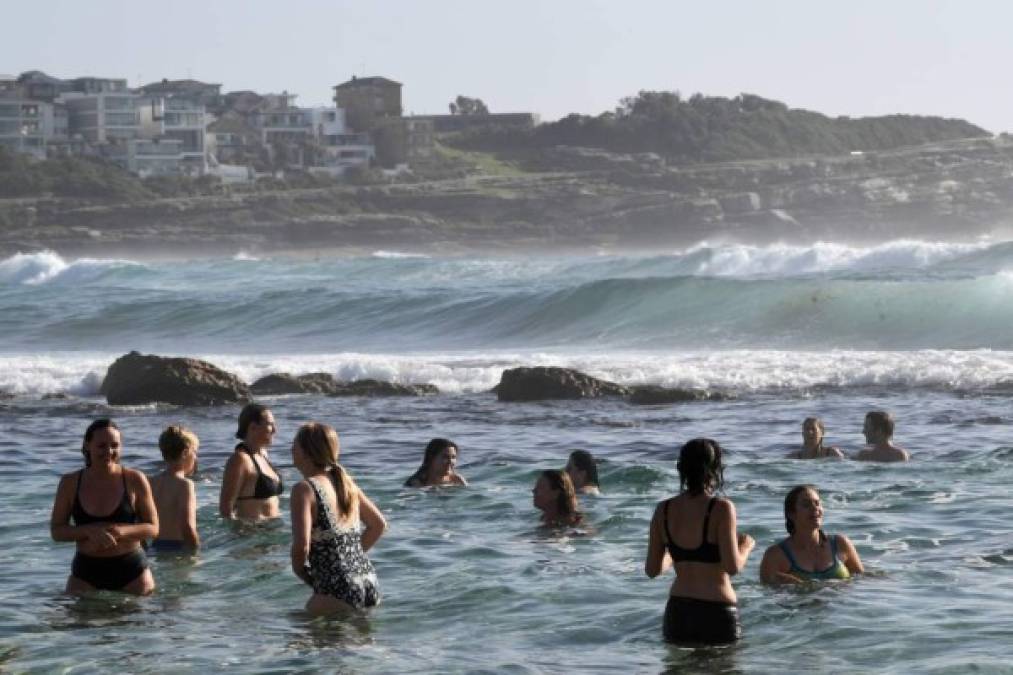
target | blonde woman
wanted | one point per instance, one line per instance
(333, 525)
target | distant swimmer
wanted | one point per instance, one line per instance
(174, 493)
(808, 554)
(109, 555)
(251, 485)
(696, 533)
(812, 442)
(878, 430)
(439, 466)
(334, 524)
(555, 497)
(582, 469)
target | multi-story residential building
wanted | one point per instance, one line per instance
(29, 126)
(38, 86)
(149, 156)
(207, 94)
(179, 118)
(101, 110)
(368, 100)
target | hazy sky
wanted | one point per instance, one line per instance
(852, 57)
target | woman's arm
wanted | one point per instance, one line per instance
(302, 505)
(144, 506)
(735, 548)
(775, 568)
(374, 521)
(459, 480)
(232, 483)
(850, 557)
(657, 560)
(92, 538)
(190, 536)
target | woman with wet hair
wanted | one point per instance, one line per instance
(696, 533)
(334, 524)
(439, 466)
(555, 497)
(582, 469)
(251, 485)
(812, 442)
(109, 555)
(808, 553)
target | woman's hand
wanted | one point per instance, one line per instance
(99, 537)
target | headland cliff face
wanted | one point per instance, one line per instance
(589, 200)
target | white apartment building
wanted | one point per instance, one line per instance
(177, 118)
(31, 126)
(101, 110)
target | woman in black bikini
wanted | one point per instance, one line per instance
(695, 532)
(109, 554)
(251, 485)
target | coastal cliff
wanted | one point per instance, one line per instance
(590, 199)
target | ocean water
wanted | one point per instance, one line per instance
(470, 582)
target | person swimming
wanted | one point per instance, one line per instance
(812, 442)
(808, 554)
(878, 430)
(555, 497)
(582, 469)
(109, 554)
(439, 466)
(334, 524)
(702, 605)
(251, 485)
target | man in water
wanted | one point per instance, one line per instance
(878, 430)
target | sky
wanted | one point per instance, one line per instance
(551, 57)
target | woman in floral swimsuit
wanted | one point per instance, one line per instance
(333, 525)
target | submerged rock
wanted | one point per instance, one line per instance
(550, 383)
(655, 395)
(375, 388)
(138, 379)
(285, 383)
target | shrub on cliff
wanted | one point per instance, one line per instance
(23, 176)
(710, 128)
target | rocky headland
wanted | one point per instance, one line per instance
(591, 199)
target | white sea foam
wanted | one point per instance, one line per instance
(46, 266)
(732, 260)
(394, 255)
(742, 371)
(245, 257)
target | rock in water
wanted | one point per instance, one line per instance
(548, 383)
(284, 383)
(138, 379)
(655, 395)
(375, 388)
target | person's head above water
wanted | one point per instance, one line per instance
(803, 508)
(438, 462)
(878, 426)
(582, 469)
(102, 434)
(812, 432)
(554, 495)
(256, 425)
(700, 467)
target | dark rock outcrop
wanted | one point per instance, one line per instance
(655, 395)
(375, 389)
(548, 383)
(138, 379)
(285, 383)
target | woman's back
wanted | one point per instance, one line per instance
(691, 530)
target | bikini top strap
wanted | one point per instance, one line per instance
(788, 554)
(253, 458)
(77, 490)
(322, 507)
(833, 546)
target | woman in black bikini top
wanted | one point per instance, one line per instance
(109, 554)
(251, 485)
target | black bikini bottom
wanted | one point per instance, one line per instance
(692, 621)
(109, 574)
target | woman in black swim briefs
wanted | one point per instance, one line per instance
(695, 532)
(109, 554)
(251, 485)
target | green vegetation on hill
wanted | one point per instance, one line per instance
(23, 176)
(713, 129)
